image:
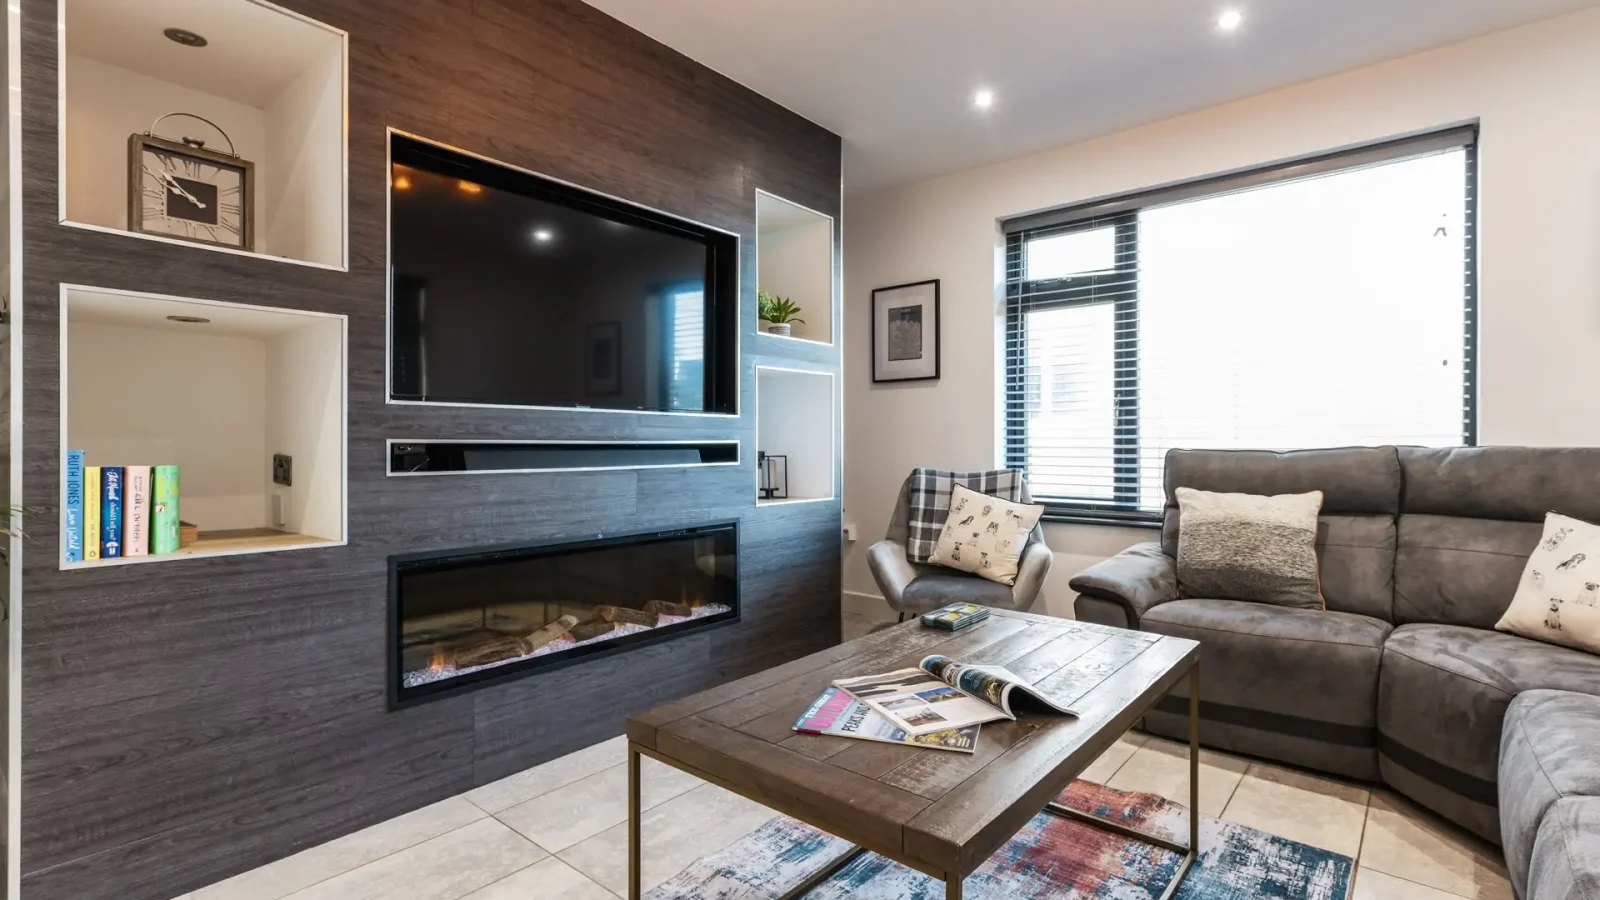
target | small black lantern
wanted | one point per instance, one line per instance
(774, 475)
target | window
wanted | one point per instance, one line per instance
(686, 349)
(1329, 302)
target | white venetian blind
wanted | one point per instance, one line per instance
(1333, 308)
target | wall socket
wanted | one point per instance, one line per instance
(282, 469)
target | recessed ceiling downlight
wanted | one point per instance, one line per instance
(1230, 20)
(185, 37)
(983, 99)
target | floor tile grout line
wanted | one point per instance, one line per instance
(378, 859)
(536, 862)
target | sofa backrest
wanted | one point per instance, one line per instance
(1470, 517)
(1361, 497)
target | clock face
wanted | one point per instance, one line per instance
(191, 198)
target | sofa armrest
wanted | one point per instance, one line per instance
(1137, 579)
(1032, 567)
(891, 570)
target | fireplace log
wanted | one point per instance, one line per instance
(593, 628)
(494, 649)
(664, 608)
(485, 652)
(623, 615)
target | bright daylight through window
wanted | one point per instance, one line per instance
(1274, 310)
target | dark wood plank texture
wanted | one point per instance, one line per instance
(936, 810)
(185, 721)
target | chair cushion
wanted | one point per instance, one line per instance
(1566, 857)
(933, 589)
(1549, 749)
(1288, 684)
(1442, 700)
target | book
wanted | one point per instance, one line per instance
(838, 714)
(136, 511)
(91, 512)
(941, 693)
(110, 512)
(955, 617)
(164, 511)
(72, 531)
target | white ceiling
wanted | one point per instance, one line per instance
(895, 78)
(264, 48)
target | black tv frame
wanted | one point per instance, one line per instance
(721, 277)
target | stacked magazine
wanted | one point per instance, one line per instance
(941, 703)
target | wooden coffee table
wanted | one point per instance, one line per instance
(939, 812)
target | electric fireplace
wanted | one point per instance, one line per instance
(464, 618)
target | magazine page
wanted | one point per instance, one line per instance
(839, 714)
(999, 687)
(918, 702)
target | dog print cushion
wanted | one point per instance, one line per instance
(1558, 599)
(985, 535)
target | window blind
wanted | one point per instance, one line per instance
(1329, 302)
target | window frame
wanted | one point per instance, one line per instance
(1120, 286)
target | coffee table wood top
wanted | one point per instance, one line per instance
(938, 811)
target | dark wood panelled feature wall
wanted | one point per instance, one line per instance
(187, 720)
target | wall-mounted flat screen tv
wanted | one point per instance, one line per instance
(511, 289)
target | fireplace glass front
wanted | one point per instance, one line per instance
(472, 616)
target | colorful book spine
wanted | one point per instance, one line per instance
(73, 532)
(136, 511)
(111, 512)
(164, 511)
(91, 512)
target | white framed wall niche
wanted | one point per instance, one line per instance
(794, 419)
(216, 389)
(274, 81)
(794, 259)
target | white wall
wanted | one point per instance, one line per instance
(793, 410)
(1536, 92)
(303, 193)
(305, 419)
(797, 263)
(132, 397)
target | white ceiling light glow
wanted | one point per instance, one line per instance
(983, 99)
(543, 235)
(1230, 20)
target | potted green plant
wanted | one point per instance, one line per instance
(778, 312)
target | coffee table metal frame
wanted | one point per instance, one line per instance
(952, 880)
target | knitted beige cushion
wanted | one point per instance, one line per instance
(1249, 547)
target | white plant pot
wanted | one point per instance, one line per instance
(775, 328)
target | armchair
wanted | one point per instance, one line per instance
(912, 589)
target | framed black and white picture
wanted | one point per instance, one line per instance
(602, 359)
(905, 332)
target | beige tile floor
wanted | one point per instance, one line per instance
(557, 832)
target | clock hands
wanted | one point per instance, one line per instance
(171, 181)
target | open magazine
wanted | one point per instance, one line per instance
(837, 713)
(941, 694)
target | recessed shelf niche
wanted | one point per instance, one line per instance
(794, 418)
(217, 398)
(794, 259)
(272, 79)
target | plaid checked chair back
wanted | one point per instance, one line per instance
(924, 502)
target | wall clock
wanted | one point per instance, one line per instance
(180, 189)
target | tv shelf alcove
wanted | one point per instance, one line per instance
(221, 708)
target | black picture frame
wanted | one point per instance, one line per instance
(602, 359)
(882, 361)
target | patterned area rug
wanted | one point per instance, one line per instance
(1052, 857)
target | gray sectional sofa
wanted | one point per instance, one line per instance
(1403, 679)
